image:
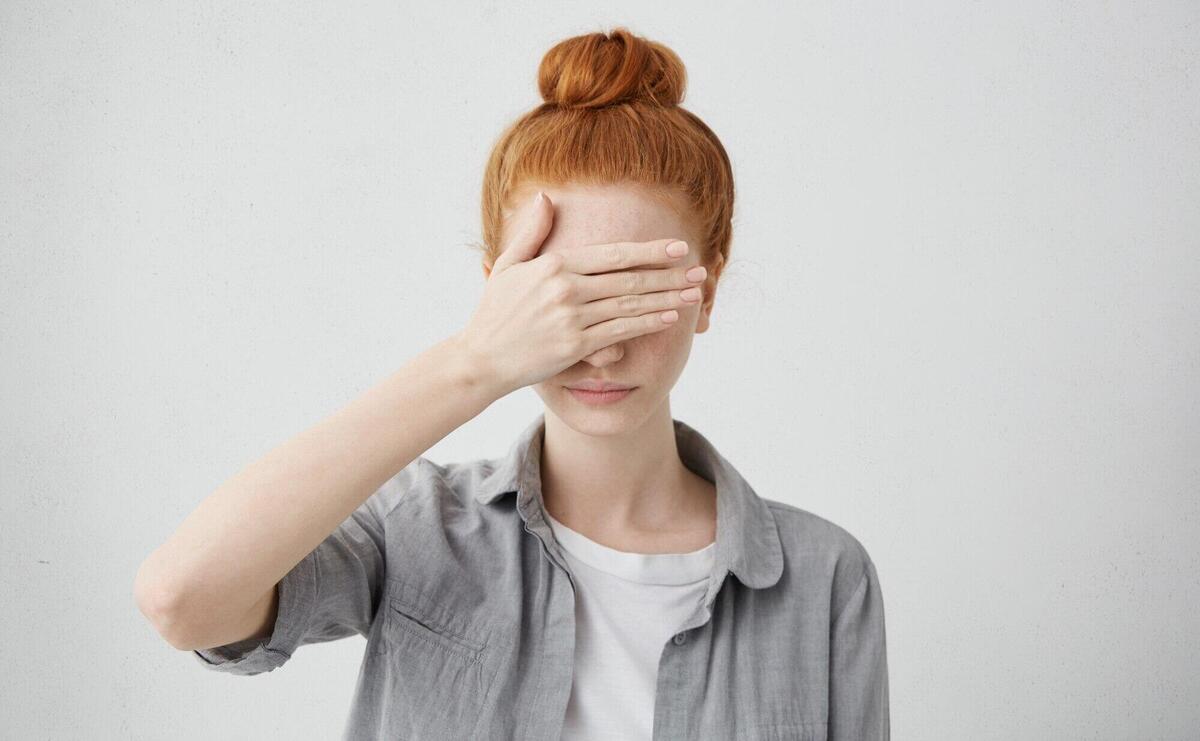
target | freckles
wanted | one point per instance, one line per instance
(689, 314)
(667, 342)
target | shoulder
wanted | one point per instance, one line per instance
(819, 552)
(802, 531)
(428, 489)
(438, 537)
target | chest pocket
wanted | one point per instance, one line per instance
(435, 664)
(409, 618)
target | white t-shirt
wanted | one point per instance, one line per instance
(627, 606)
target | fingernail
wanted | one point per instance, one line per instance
(537, 200)
(676, 249)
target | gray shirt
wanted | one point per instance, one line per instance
(468, 608)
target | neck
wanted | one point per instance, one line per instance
(629, 490)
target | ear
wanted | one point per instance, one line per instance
(710, 294)
(705, 310)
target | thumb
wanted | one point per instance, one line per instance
(528, 234)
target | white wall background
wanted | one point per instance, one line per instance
(961, 320)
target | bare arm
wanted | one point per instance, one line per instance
(214, 580)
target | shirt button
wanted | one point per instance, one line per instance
(679, 639)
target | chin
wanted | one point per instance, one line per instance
(596, 419)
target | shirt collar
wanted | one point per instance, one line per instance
(747, 536)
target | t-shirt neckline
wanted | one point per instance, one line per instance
(644, 568)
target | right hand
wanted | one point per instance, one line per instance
(541, 315)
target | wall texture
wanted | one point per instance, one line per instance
(962, 296)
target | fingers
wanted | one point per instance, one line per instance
(636, 305)
(529, 230)
(631, 282)
(602, 258)
(622, 328)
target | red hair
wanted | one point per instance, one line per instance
(611, 114)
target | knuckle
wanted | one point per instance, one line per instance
(627, 303)
(570, 317)
(612, 254)
(560, 289)
(574, 344)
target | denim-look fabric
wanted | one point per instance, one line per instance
(468, 608)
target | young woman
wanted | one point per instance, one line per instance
(612, 576)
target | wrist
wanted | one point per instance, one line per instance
(473, 374)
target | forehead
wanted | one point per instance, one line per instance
(596, 214)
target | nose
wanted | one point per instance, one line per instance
(605, 355)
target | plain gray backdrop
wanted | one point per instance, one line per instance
(962, 308)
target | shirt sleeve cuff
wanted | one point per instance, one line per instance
(297, 597)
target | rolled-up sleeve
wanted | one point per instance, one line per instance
(331, 593)
(858, 672)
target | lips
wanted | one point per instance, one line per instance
(594, 398)
(598, 386)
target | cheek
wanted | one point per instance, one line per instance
(665, 346)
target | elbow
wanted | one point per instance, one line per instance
(160, 604)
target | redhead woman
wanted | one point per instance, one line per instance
(612, 575)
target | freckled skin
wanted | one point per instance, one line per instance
(612, 472)
(597, 214)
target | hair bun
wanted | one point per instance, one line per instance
(596, 70)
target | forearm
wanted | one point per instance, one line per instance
(245, 536)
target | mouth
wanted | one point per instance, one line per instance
(594, 398)
(594, 385)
